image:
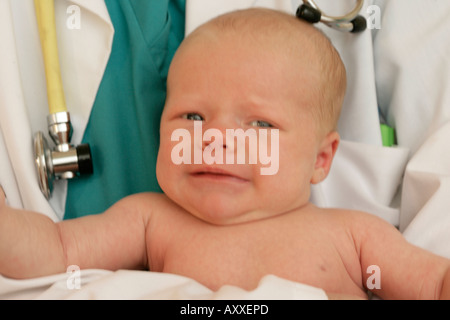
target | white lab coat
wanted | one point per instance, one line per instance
(23, 95)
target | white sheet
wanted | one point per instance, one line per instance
(125, 284)
(403, 68)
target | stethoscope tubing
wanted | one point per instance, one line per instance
(337, 19)
(350, 22)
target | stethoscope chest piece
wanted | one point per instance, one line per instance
(42, 158)
(64, 161)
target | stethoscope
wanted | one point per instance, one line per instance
(351, 22)
(64, 161)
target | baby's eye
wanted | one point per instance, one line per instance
(193, 116)
(261, 124)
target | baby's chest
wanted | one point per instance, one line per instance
(243, 259)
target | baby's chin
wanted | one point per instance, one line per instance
(232, 208)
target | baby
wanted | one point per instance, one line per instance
(224, 222)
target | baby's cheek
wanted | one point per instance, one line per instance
(295, 174)
(163, 165)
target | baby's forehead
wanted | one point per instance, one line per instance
(267, 30)
(292, 42)
(265, 24)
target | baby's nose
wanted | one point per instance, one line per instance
(215, 138)
(216, 133)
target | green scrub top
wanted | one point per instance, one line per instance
(123, 128)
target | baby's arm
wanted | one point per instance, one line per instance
(31, 245)
(405, 271)
(445, 292)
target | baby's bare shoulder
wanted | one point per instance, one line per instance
(155, 209)
(145, 204)
(357, 219)
(361, 226)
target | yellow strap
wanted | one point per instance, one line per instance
(45, 14)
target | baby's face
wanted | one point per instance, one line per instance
(215, 88)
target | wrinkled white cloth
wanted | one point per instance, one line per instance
(125, 284)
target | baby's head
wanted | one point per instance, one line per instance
(251, 69)
(297, 44)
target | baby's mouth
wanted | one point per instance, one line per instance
(217, 174)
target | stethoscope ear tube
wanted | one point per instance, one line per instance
(308, 13)
(351, 22)
(359, 24)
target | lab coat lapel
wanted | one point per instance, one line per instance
(17, 173)
(97, 7)
(84, 53)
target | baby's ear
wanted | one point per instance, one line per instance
(325, 156)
